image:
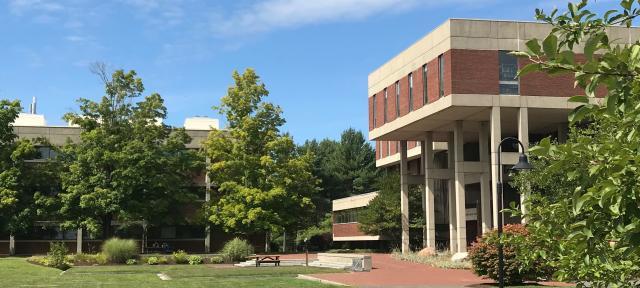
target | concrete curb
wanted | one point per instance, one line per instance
(311, 278)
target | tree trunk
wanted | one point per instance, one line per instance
(143, 243)
(266, 242)
(12, 244)
(284, 241)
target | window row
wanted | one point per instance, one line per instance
(346, 216)
(508, 85)
(395, 144)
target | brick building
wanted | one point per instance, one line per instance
(439, 109)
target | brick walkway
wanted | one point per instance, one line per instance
(389, 272)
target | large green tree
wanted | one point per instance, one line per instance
(128, 165)
(24, 186)
(584, 194)
(263, 181)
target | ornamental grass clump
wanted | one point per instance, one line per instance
(237, 250)
(484, 256)
(120, 250)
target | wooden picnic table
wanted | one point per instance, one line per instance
(266, 259)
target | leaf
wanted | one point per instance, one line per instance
(579, 99)
(531, 67)
(612, 102)
(578, 114)
(533, 46)
(591, 45)
(550, 46)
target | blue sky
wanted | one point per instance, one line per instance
(313, 55)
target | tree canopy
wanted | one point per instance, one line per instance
(583, 203)
(264, 183)
(128, 164)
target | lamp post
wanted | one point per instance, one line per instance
(523, 164)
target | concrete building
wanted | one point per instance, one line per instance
(439, 109)
(346, 228)
(191, 238)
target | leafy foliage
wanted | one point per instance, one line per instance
(180, 257)
(128, 164)
(583, 204)
(119, 250)
(237, 250)
(484, 256)
(56, 257)
(383, 216)
(24, 187)
(264, 184)
(195, 260)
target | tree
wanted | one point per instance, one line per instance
(21, 182)
(263, 182)
(383, 215)
(583, 204)
(128, 165)
(344, 168)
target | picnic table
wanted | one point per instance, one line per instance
(266, 259)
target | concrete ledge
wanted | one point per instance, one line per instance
(358, 262)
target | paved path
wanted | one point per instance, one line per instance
(389, 272)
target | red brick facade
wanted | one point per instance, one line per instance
(476, 72)
(347, 230)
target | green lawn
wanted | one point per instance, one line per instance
(16, 272)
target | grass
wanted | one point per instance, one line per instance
(17, 272)
(440, 260)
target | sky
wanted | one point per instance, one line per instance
(313, 55)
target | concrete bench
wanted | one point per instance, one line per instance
(357, 262)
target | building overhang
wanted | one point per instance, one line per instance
(441, 115)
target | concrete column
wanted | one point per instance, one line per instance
(79, 241)
(404, 196)
(207, 199)
(453, 234)
(495, 138)
(563, 132)
(485, 178)
(430, 215)
(461, 219)
(12, 245)
(523, 136)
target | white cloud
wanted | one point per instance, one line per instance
(20, 6)
(275, 14)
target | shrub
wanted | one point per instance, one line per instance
(237, 250)
(152, 260)
(439, 260)
(120, 250)
(216, 260)
(195, 260)
(101, 259)
(57, 256)
(132, 262)
(180, 257)
(163, 260)
(484, 256)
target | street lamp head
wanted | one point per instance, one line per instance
(523, 163)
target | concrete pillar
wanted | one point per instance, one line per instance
(79, 241)
(12, 245)
(563, 132)
(523, 136)
(461, 219)
(495, 138)
(429, 203)
(207, 198)
(404, 196)
(485, 178)
(451, 196)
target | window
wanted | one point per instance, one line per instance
(441, 74)
(397, 98)
(425, 99)
(385, 105)
(508, 74)
(374, 111)
(347, 215)
(410, 92)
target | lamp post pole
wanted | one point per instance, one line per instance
(523, 164)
